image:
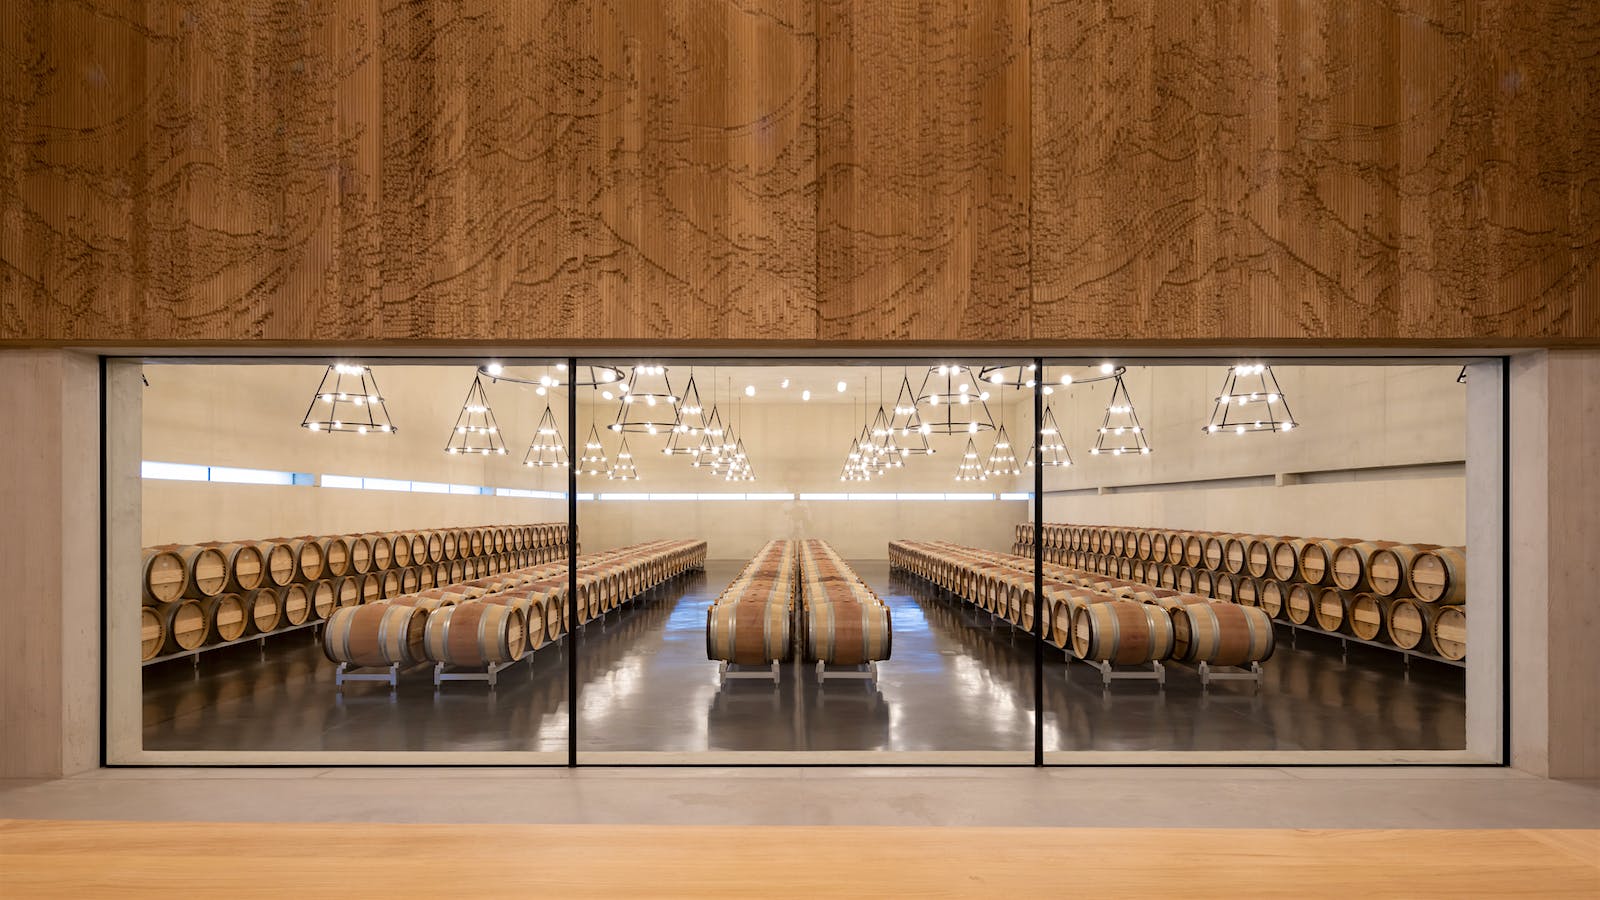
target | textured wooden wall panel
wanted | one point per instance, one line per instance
(1316, 170)
(409, 171)
(922, 228)
(952, 170)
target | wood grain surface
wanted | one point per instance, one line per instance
(136, 859)
(797, 170)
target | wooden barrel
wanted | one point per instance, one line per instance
(389, 583)
(433, 544)
(1351, 567)
(410, 579)
(1286, 559)
(533, 615)
(263, 609)
(750, 633)
(309, 561)
(1194, 550)
(475, 542)
(335, 554)
(346, 590)
(296, 604)
(1301, 601)
(1184, 580)
(1246, 591)
(451, 544)
(279, 563)
(1122, 633)
(166, 575)
(1272, 598)
(1205, 583)
(475, 634)
(1158, 546)
(418, 542)
(1389, 568)
(246, 566)
(152, 633)
(1258, 555)
(360, 553)
(847, 632)
(381, 634)
(1448, 628)
(1175, 541)
(185, 625)
(324, 600)
(400, 551)
(1221, 634)
(1329, 610)
(1225, 587)
(1316, 559)
(1215, 551)
(371, 587)
(227, 616)
(1410, 624)
(1440, 576)
(1236, 552)
(382, 551)
(1144, 545)
(555, 616)
(1363, 615)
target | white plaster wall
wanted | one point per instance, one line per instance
(249, 416)
(1356, 425)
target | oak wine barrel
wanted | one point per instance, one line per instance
(1299, 604)
(296, 603)
(227, 616)
(1389, 568)
(1440, 576)
(380, 634)
(1286, 559)
(475, 634)
(309, 560)
(246, 565)
(1246, 591)
(1272, 598)
(1363, 614)
(749, 633)
(1221, 634)
(1329, 610)
(263, 609)
(360, 553)
(166, 576)
(1316, 559)
(185, 624)
(1448, 628)
(152, 633)
(1122, 633)
(1352, 566)
(1409, 624)
(848, 632)
(323, 598)
(280, 564)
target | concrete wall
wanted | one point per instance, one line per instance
(249, 416)
(49, 679)
(1378, 453)
(799, 448)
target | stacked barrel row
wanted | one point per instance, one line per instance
(843, 621)
(500, 618)
(752, 621)
(1409, 595)
(1092, 616)
(220, 591)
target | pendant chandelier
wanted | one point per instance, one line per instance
(709, 450)
(952, 401)
(1052, 452)
(685, 437)
(547, 450)
(1018, 376)
(1250, 402)
(623, 469)
(1002, 458)
(907, 423)
(347, 400)
(970, 469)
(1120, 432)
(649, 405)
(885, 448)
(475, 430)
(593, 462)
(739, 468)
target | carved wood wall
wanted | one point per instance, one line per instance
(795, 170)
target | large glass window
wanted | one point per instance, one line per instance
(366, 560)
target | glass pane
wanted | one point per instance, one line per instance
(1259, 557)
(306, 523)
(796, 478)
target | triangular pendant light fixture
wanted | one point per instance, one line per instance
(907, 422)
(685, 437)
(623, 469)
(1120, 432)
(593, 463)
(709, 450)
(1002, 457)
(971, 466)
(1250, 402)
(649, 405)
(475, 430)
(347, 400)
(547, 450)
(1052, 451)
(953, 401)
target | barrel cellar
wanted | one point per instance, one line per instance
(731, 560)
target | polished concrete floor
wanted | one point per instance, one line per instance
(958, 681)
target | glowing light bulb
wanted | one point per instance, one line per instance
(1287, 425)
(1107, 368)
(840, 386)
(607, 394)
(1066, 379)
(1239, 430)
(494, 369)
(997, 377)
(749, 390)
(315, 426)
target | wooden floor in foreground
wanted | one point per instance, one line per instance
(117, 859)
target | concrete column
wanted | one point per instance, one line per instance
(50, 535)
(1555, 570)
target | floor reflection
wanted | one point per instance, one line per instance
(958, 680)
